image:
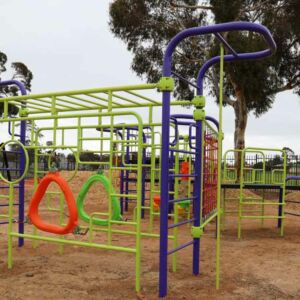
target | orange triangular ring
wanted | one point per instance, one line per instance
(33, 212)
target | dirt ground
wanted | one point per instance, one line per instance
(262, 265)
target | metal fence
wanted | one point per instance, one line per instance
(272, 163)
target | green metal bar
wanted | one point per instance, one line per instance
(10, 225)
(263, 203)
(76, 104)
(176, 214)
(125, 99)
(72, 242)
(142, 97)
(220, 139)
(148, 86)
(208, 220)
(29, 105)
(105, 100)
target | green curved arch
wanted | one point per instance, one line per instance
(116, 215)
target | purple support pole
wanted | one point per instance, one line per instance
(164, 188)
(143, 176)
(121, 183)
(197, 195)
(122, 190)
(279, 222)
(22, 183)
(22, 160)
(127, 159)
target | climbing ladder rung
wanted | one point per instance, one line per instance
(181, 223)
(181, 199)
(123, 222)
(7, 187)
(134, 142)
(183, 151)
(53, 193)
(94, 139)
(124, 195)
(124, 168)
(5, 205)
(182, 175)
(180, 247)
(4, 196)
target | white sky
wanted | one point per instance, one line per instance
(67, 45)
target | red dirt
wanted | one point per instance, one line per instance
(262, 265)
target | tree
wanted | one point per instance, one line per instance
(147, 26)
(21, 73)
(88, 156)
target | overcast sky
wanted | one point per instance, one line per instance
(67, 45)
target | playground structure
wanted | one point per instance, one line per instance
(255, 177)
(170, 168)
(266, 181)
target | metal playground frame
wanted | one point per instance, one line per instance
(181, 154)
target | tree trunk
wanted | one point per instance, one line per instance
(241, 117)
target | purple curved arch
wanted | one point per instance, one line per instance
(19, 84)
(190, 117)
(217, 29)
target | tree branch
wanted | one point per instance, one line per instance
(290, 85)
(287, 87)
(228, 100)
(256, 6)
(190, 6)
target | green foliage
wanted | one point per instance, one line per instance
(20, 73)
(89, 156)
(147, 26)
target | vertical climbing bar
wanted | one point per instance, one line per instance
(197, 194)
(220, 138)
(164, 190)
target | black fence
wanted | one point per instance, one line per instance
(273, 166)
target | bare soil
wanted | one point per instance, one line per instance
(262, 265)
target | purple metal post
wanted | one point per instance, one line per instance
(279, 222)
(127, 159)
(197, 195)
(164, 192)
(143, 176)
